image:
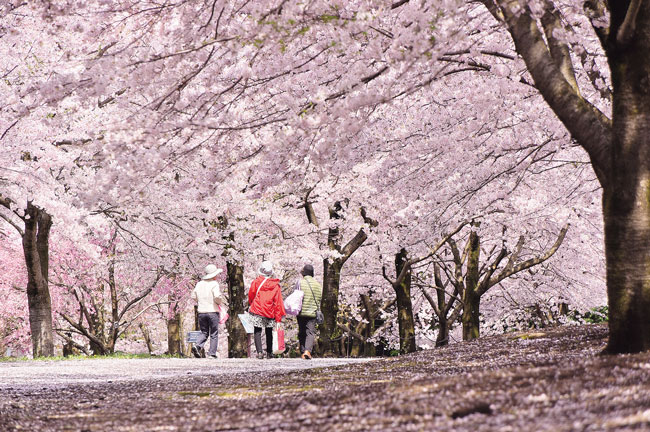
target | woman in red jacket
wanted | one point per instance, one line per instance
(266, 307)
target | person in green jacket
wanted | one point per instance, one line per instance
(307, 316)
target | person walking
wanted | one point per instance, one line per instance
(310, 305)
(266, 307)
(207, 295)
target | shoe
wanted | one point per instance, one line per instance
(260, 356)
(196, 351)
(269, 355)
(306, 355)
(213, 356)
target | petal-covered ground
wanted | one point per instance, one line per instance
(552, 380)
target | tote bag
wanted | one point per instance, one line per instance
(278, 341)
(293, 303)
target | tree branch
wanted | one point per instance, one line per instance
(83, 331)
(309, 208)
(586, 123)
(61, 333)
(353, 245)
(410, 263)
(559, 50)
(626, 30)
(531, 262)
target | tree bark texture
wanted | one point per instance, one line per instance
(237, 340)
(174, 340)
(443, 332)
(618, 149)
(405, 319)
(329, 332)
(626, 197)
(36, 249)
(471, 295)
(369, 348)
(147, 337)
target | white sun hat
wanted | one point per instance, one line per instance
(211, 271)
(266, 268)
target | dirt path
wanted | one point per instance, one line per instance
(55, 374)
(547, 381)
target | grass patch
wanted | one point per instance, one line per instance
(244, 393)
(527, 336)
(190, 393)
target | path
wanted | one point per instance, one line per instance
(56, 373)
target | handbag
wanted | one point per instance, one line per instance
(278, 340)
(223, 315)
(319, 315)
(293, 303)
(245, 317)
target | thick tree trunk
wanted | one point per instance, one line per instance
(96, 327)
(369, 348)
(626, 197)
(237, 340)
(36, 250)
(405, 319)
(329, 332)
(174, 340)
(620, 153)
(470, 317)
(471, 296)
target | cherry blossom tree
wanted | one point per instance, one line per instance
(198, 111)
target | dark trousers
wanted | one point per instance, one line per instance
(209, 325)
(269, 339)
(306, 333)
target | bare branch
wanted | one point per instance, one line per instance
(410, 263)
(531, 262)
(353, 245)
(626, 30)
(82, 330)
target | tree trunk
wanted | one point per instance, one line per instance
(443, 332)
(369, 348)
(237, 340)
(470, 317)
(174, 340)
(96, 327)
(329, 333)
(36, 250)
(147, 337)
(404, 307)
(471, 296)
(620, 153)
(626, 197)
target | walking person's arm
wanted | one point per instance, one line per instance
(216, 294)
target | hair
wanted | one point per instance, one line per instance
(307, 270)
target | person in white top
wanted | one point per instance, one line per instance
(208, 298)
